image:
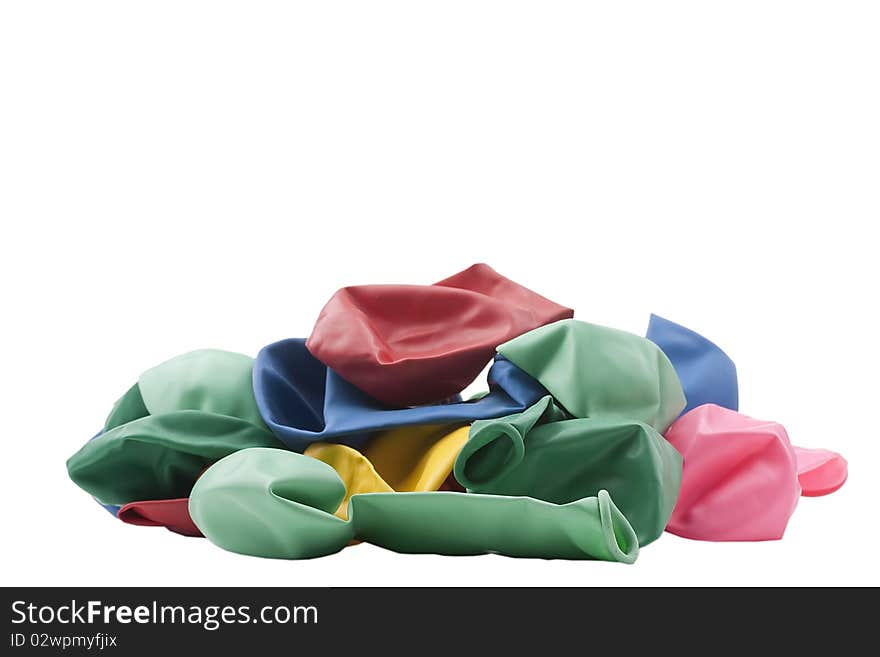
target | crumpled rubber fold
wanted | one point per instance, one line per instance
(160, 456)
(542, 453)
(411, 459)
(820, 471)
(407, 345)
(739, 476)
(596, 371)
(707, 374)
(171, 514)
(302, 401)
(167, 428)
(281, 504)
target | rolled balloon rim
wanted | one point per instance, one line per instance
(482, 437)
(824, 476)
(613, 519)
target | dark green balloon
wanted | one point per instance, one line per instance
(542, 453)
(272, 503)
(160, 456)
(166, 429)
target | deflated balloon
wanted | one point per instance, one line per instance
(281, 504)
(302, 401)
(179, 418)
(542, 453)
(467, 523)
(171, 514)
(354, 469)
(160, 456)
(406, 345)
(739, 476)
(595, 371)
(411, 459)
(707, 374)
(112, 509)
(271, 503)
(208, 380)
(418, 458)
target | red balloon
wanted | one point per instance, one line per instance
(171, 514)
(416, 344)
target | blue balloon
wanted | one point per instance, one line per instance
(303, 401)
(707, 374)
(113, 509)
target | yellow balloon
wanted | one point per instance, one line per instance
(409, 459)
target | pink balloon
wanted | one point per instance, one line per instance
(820, 471)
(739, 476)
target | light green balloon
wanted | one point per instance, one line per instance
(160, 456)
(271, 503)
(208, 380)
(595, 371)
(468, 523)
(276, 503)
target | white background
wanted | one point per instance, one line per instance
(176, 175)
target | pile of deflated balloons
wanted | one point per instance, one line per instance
(590, 442)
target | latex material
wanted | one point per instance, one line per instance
(739, 476)
(171, 514)
(166, 429)
(417, 458)
(302, 401)
(159, 456)
(416, 344)
(595, 371)
(412, 459)
(820, 471)
(207, 380)
(280, 504)
(707, 374)
(541, 453)
(271, 503)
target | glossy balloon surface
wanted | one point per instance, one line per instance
(408, 345)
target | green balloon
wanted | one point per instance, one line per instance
(165, 430)
(208, 380)
(280, 504)
(159, 456)
(467, 523)
(129, 407)
(271, 503)
(594, 371)
(542, 453)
